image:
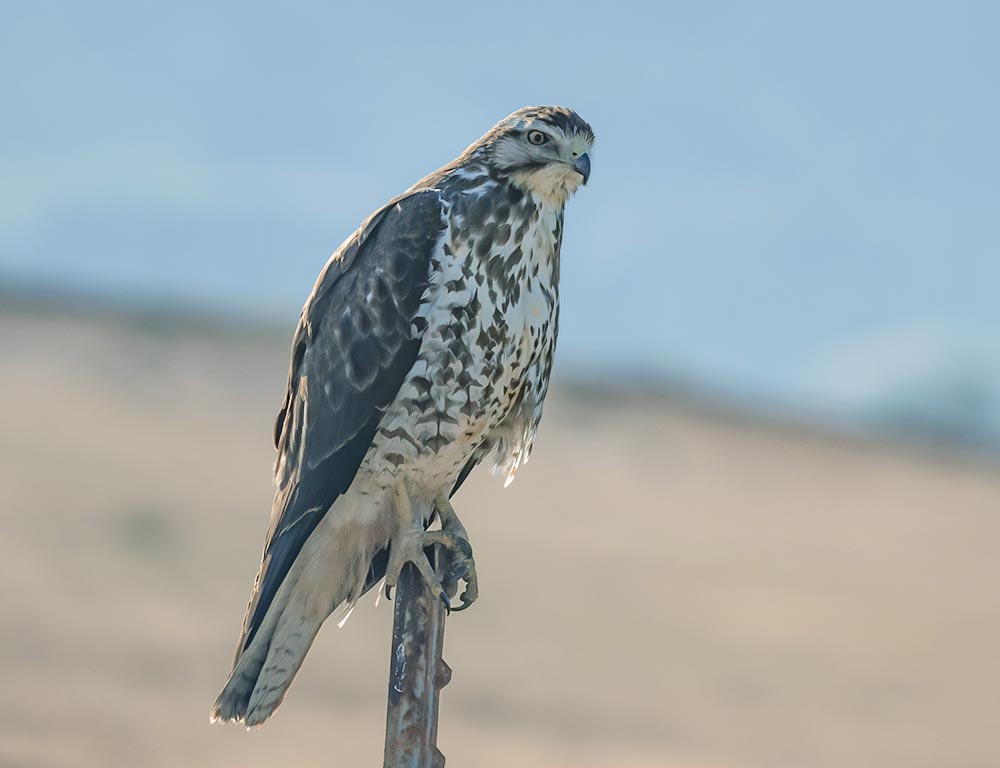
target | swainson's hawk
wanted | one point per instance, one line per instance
(425, 347)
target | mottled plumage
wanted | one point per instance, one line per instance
(425, 346)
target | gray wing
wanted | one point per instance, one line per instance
(357, 338)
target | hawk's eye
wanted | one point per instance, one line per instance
(537, 138)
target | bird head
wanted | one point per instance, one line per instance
(543, 150)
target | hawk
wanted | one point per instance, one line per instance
(425, 347)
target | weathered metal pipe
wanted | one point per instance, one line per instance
(416, 673)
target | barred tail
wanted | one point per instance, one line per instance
(265, 671)
(336, 565)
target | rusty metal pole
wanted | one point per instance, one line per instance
(416, 673)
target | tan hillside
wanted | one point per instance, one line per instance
(661, 586)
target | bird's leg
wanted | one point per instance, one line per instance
(411, 542)
(455, 539)
(407, 546)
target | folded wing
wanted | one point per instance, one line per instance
(357, 338)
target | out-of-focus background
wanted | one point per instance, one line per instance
(760, 525)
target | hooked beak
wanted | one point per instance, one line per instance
(582, 166)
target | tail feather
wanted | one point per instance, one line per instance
(284, 657)
(330, 571)
(234, 700)
(235, 697)
(265, 670)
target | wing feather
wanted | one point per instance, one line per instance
(353, 347)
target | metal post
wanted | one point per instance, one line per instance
(416, 673)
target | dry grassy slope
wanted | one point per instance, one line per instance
(659, 588)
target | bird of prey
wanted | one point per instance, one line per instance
(424, 348)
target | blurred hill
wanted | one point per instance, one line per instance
(668, 583)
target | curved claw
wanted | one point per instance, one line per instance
(471, 593)
(388, 592)
(469, 596)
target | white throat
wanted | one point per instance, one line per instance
(554, 182)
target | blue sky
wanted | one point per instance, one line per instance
(791, 201)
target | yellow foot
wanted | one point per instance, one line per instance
(412, 542)
(409, 547)
(455, 539)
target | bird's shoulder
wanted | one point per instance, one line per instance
(387, 247)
